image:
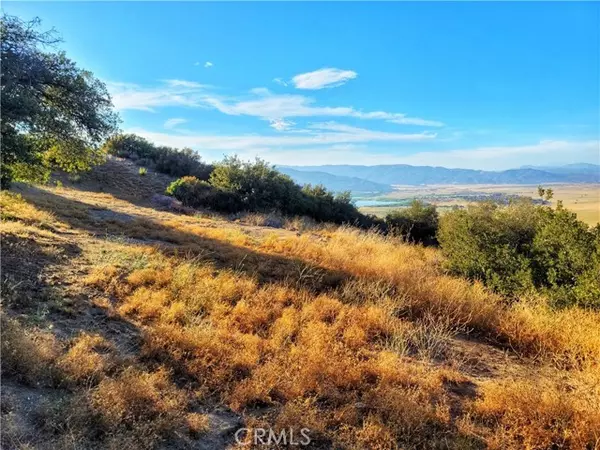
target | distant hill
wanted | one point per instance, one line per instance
(335, 183)
(583, 172)
(417, 175)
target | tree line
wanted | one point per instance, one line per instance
(233, 185)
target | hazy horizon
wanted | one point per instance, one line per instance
(525, 166)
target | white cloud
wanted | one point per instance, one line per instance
(168, 93)
(479, 158)
(184, 84)
(550, 152)
(260, 91)
(403, 120)
(315, 137)
(280, 81)
(197, 63)
(281, 124)
(264, 105)
(505, 157)
(323, 78)
(350, 145)
(272, 106)
(208, 64)
(172, 123)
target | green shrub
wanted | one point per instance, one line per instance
(236, 185)
(417, 223)
(189, 190)
(180, 163)
(566, 258)
(129, 146)
(167, 160)
(257, 185)
(142, 171)
(523, 246)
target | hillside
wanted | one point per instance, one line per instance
(129, 326)
(117, 176)
(403, 174)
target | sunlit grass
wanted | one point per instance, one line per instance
(348, 333)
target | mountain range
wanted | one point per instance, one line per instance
(333, 182)
(381, 178)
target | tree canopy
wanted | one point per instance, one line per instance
(53, 112)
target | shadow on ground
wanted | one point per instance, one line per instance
(169, 240)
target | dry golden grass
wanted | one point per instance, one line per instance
(234, 338)
(136, 398)
(88, 359)
(347, 333)
(567, 338)
(540, 413)
(28, 354)
(13, 208)
(418, 287)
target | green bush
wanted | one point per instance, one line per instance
(184, 162)
(417, 223)
(523, 246)
(129, 146)
(257, 185)
(566, 258)
(236, 185)
(190, 191)
(167, 160)
(142, 171)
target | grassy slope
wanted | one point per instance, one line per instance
(127, 327)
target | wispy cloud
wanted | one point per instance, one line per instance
(549, 150)
(184, 84)
(401, 119)
(281, 124)
(168, 93)
(270, 106)
(208, 64)
(314, 137)
(553, 152)
(280, 81)
(197, 63)
(260, 91)
(331, 143)
(323, 78)
(261, 103)
(172, 123)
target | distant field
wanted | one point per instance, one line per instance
(584, 199)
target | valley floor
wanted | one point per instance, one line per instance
(582, 198)
(128, 326)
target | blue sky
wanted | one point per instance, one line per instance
(474, 85)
